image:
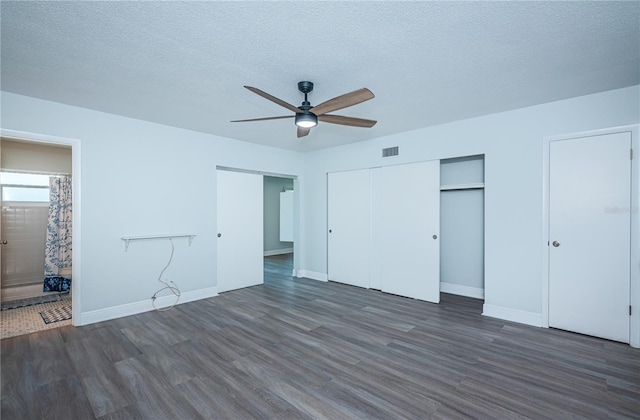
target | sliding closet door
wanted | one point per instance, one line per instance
(409, 230)
(240, 219)
(349, 223)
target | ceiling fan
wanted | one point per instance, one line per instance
(307, 116)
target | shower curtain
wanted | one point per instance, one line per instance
(57, 260)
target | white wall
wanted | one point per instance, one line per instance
(462, 242)
(272, 188)
(144, 178)
(463, 170)
(512, 145)
(140, 178)
(34, 157)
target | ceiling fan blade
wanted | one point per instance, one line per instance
(273, 99)
(264, 119)
(351, 121)
(343, 101)
(303, 131)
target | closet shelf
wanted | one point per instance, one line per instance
(128, 239)
(475, 186)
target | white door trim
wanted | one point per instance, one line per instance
(634, 324)
(76, 291)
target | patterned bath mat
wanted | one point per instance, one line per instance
(56, 315)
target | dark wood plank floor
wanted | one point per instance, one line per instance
(306, 349)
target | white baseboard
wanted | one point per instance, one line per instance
(278, 252)
(515, 315)
(457, 289)
(134, 308)
(313, 275)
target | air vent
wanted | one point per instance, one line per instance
(390, 151)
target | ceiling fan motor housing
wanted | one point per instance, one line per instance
(305, 119)
(305, 87)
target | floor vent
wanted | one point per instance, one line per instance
(390, 151)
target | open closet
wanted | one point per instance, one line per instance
(462, 226)
(413, 229)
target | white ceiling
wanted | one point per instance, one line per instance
(184, 63)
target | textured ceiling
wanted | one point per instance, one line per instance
(184, 63)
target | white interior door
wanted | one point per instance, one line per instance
(409, 230)
(349, 223)
(240, 220)
(589, 231)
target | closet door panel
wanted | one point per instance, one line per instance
(377, 246)
(409, 230)
(349, 224)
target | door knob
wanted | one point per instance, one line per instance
(435, 236)
(219, 235)
(4, 242)
(555, 243)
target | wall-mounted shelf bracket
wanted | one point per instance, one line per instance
(128, 239)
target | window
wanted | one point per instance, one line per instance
(32, 188)
(22, 179)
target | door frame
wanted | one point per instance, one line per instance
(634, 292)
(297, 214)
(76, 295)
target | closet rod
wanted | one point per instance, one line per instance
(475, 186)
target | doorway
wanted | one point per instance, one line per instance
(590, 243)
(278, 226)
(462, 226)
(30, 170)
(590, 233)
(251, 225)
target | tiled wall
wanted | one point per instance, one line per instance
(24, 227)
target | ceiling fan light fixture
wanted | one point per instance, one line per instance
(306, 120)
(307, 116)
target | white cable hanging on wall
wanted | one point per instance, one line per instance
(168, 284)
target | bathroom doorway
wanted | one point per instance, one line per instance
(29, 172)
